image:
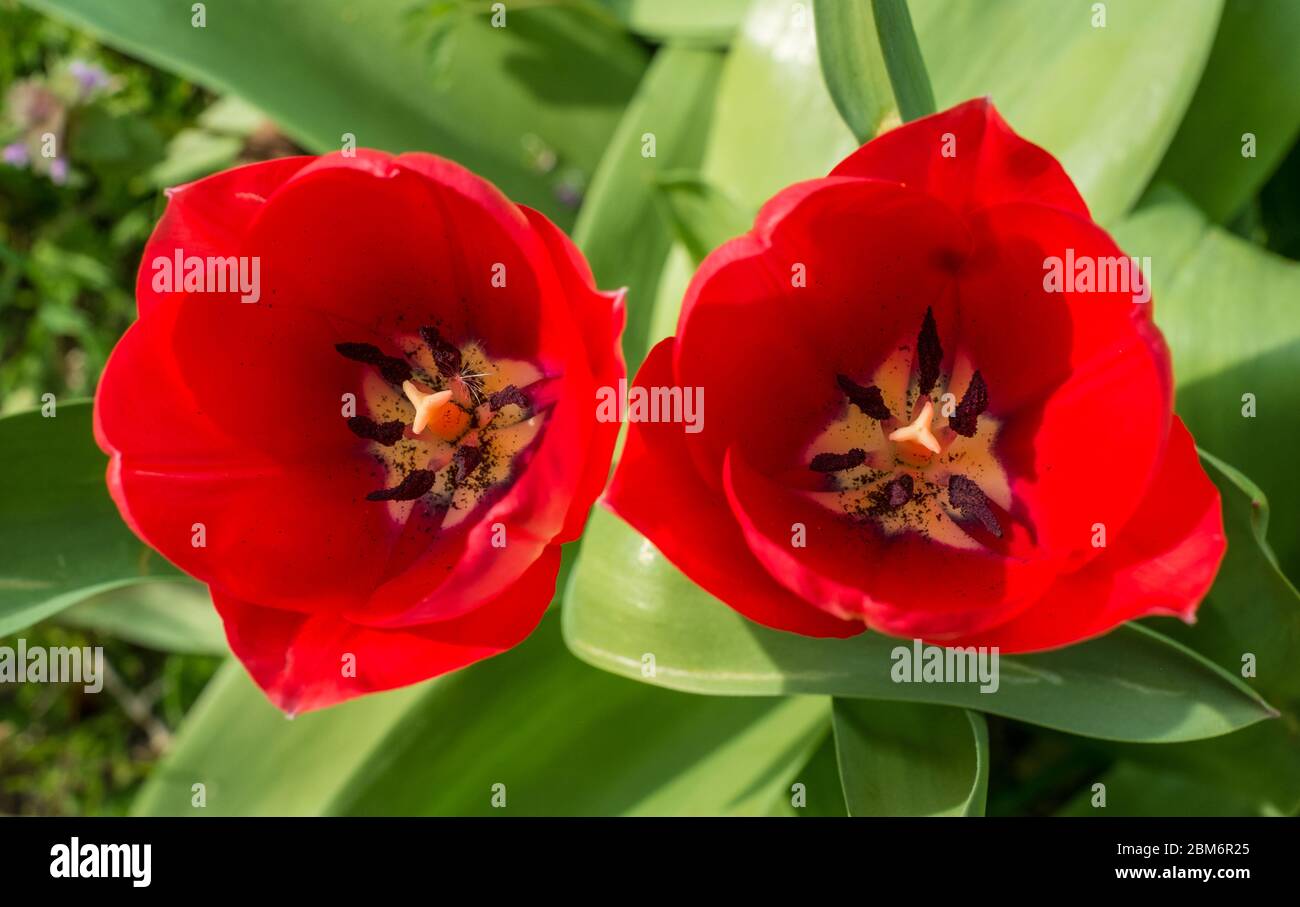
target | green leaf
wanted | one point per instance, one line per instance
(777, 124)
(61, 538)
(816, 792)
(529, 106)
(618, 229)
(712, 22)
(1228, 311)
(168, 616)
(853, 65)
(1252, 608)
(903, 759)
(624, 599)
(701, 217)
(1135, 790)
(1248, 87)
(563, 738)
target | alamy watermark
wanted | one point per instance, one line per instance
(181, 273)
(53, 664)
(920, 663)
(1098, 274)
(651, 404)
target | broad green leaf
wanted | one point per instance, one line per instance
(904, 759)
(775, 121)
(1105, 100)
(618, 229)
(1228, 310)
(1258, 765)
(529, 106)
(700, 216)
(1135, 790)
(1248, 88)
(709, 22)
(61, 538)
(1252, 610)
(170, 617)
(625, 599)
(563, 738)
(816, 792)
(853, 66)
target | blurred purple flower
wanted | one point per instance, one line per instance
(15, 155)
(59, 171)
(90, 78)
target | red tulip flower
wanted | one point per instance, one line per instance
(914, 424)
(358, 404)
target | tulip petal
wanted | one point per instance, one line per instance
(657, 490)
(969, 158)
(305, 662)
(1161, 564)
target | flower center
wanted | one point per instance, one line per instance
(447, 422)
(931, 471)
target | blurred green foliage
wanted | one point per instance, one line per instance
(64, 751)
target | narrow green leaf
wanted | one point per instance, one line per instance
(61, 538)
(853, 65)
(903, 759)
(168, 616)
(624, 599)
(529, 106)
(902, 53)
(700, 216)
(1247, 92)
(563, 738)
(620, 232)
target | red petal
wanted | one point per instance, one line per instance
(657, 490)
(383, 245)
(1162, 563)
(1081, 380)
(875, 256)
(209, 216)
(269, 529)
(905, 584)
(600, 317)
(299, 660)
(989, 164)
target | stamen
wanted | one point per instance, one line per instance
(445, 355)
(970, 501)
(929, 353)
(868, 399)
(416, 484)
(466, 460)
(507, 395)
(833, 462)
(973, 402)
(893, 494)
(385, 433)
(394, 370)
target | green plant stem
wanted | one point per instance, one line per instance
(903, 59)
